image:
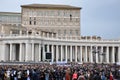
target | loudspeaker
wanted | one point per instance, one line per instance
(48, 55)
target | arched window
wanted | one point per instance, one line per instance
(30, 32)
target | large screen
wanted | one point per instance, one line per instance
(48, 55)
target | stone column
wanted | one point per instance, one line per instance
(20, 53)
(102, 55)
(26, 52)
(33, 50)
(91, 54)
(43, 34)
(14, 52)
(107, 54)
(56, 53)
(23, 51)
(61, 53)
(86, 56)
(7, 52)
(66, 57)
(2, 52)
(43, 52)
(70, 53)
(76, 53)
(52, 46)
(11, 52)
(81, 60)
(96, 54)
(118, 53)
(36, 52)
(113, 54)
(27, 32)
(48, 48)
(10, 32)
(20, 32)
(48, 35)
(52, 35)
(28, 56)
(39, 52)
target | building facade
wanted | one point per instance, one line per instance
(10, 18)
(61, 19)
(54, 30)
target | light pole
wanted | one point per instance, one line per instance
(95, 51)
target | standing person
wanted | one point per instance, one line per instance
(81, 77)
(34, 75)
(51, 76)
(46, 75)
(97, 76)
(42, 75)
(67, 75)
(8, 74)
(111, 76)
(103, 77)
(19, 75)
(2, 74)
(15, 74)
(28, 74)
(5, 75)
(75, 76)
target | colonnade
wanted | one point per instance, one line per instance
(36, 52)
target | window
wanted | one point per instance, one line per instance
(30, 22)
(30, 32)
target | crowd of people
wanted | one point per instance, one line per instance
(59, 72)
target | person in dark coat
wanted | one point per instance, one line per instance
(97, 76)
(42, 76)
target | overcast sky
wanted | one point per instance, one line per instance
(98, 17)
